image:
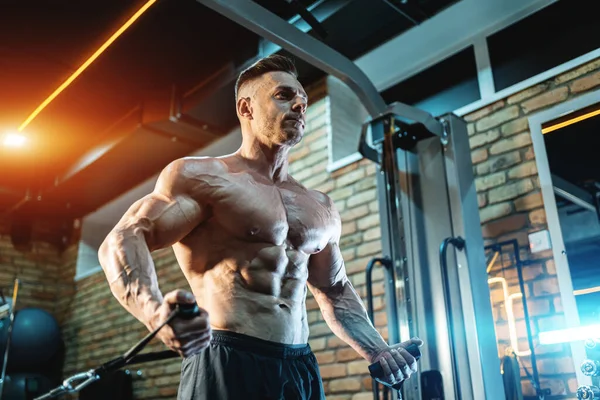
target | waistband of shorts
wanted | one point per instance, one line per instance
(259, 346)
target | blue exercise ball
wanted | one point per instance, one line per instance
(34, 341)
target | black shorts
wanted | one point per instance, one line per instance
(237, 366)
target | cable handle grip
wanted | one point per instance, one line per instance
(187, 310)
(376, 370)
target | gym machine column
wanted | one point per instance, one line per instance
(427, 201)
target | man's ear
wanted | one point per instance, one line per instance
(244, 108)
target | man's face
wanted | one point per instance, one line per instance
(278, 108)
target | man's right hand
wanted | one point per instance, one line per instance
(185, 336)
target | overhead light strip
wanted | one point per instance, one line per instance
(580, 292)
(570, 121)
(87, 63)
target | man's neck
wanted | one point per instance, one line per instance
(269, 161)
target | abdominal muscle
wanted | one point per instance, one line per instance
(257, 289)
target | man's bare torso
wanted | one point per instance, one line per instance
(247, 263)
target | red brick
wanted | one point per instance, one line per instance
(340, 397)
(357, 265)
(550, 267)
(532, 271)
(577, 72)
(521, 237)
(317, 344)
(482, 139)
(495, 211)
(529, 154)
(361, 198)
(351, 240)
(490, 181)
(510, 143)
(529, 201)
(368, 221)
(319, 329)
(354, 213)
(477, 115)
(586, 83)
(325, 357)
(470, 128)
(545, 287)
(527, 93)
(526, 169)
(359, 367)
(536, 307)
(345, 385)
(504, 225)
(369, 249)
(499, 163)
(170, 392)
(516, 126)
(297, 153)
(341, 193)
(551, 97)
(349, 228)
(538, 217)
(349, 178)
(362, 396)
(479, 155)
(365, 184)
(335, 342)
(347, 354)
(333, 371)
(510, 191)
(372, 234)
(497, 118)
(344, 170)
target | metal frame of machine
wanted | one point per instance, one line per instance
(427, 200)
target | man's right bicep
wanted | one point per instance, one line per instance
(169, 213)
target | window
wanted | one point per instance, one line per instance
(441, 88)
(552, 36)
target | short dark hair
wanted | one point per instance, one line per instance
(274, 62)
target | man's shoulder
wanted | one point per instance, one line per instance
(190, 166)
(179, 175)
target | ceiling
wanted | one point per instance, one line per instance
(162, 90)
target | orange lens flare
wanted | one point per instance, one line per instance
(87, 63)
(14, 140)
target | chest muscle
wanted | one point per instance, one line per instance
(262, 213)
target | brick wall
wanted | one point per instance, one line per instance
(43, 270)
(511, 207)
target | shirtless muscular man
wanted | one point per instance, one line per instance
(253, 238)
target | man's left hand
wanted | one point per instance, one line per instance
(397, 363)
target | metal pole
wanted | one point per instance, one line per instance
(8, 336)
(398, 282)
(275, 29)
